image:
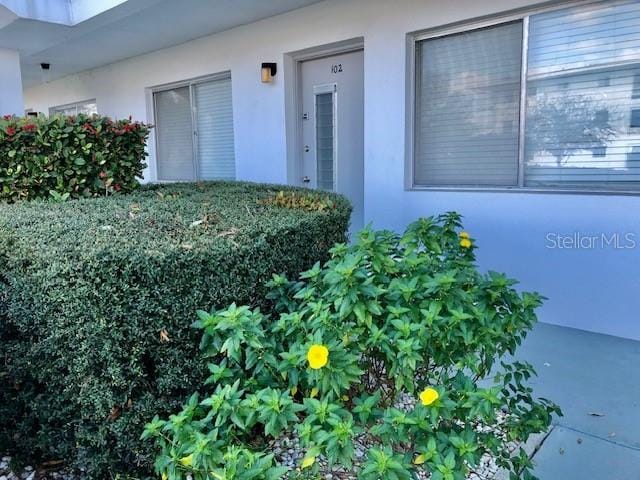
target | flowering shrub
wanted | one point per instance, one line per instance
(390, 317)
(82, 156)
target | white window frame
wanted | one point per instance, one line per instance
(190, 83)
(52, 110)
(522, 15)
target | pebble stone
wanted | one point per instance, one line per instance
(287, 451)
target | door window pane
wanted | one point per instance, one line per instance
(174, 133)
(467, 107)
(583, 108)
(325, 155)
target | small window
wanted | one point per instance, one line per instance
(88, 107)
(633, 157)
(599, 151)
(636, 86)
(602, 117)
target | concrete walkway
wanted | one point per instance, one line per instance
(596, 381)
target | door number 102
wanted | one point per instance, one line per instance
(337, 68)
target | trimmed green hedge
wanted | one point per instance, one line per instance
(97, 298)
(69, 156)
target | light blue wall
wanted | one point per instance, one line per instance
(593, 289)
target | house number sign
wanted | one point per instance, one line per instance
(337, 68)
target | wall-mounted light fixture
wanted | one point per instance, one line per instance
(268, 71)
(45, 71)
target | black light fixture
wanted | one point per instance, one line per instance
(45, 66)
(268, 71)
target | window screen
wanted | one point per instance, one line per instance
(467, 107)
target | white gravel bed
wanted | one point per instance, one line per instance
(7, 474)
(30, 473)
(288, 452)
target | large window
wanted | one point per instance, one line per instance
(88, 107)
(194, 131)
(549, 100)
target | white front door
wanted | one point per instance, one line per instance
(333, 127)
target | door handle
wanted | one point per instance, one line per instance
(306, 179)
(306, 149)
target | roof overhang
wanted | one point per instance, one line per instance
(64, 12)
(77, 35)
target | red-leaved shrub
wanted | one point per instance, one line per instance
(82, 156)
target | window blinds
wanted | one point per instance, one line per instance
(174, 132)
(581, 114)
(214, 123)
(467, 107)
(194, 128)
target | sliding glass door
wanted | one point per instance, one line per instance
(194, 131)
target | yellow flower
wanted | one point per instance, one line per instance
(307, 462)
(187, 461)
(428, 396)
(164, 476)
(420, 459)
(318, 356)
(345, 398)
(314, 392)
(294, 390)
(463, 235)
(465, 243)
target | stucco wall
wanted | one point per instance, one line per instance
(11, 99)
(594, 289)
